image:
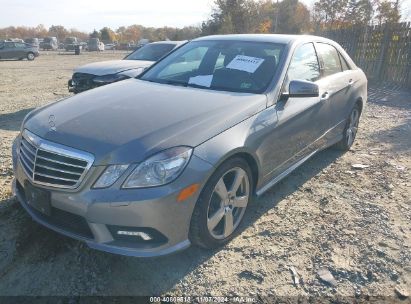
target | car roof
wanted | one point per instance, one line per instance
(273, 38)
(169, 42)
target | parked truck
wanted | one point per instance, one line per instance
(70, 43)
(49, 43)
(94, 44)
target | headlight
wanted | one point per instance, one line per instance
(160, 169)
(110, 176)
(110, 78)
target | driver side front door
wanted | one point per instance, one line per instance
(300, 121)
(7, 50)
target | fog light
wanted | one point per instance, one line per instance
(143, 235)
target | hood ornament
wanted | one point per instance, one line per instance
(52, 123)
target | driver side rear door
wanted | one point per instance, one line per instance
(20, 50)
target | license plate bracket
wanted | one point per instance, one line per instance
(38, 199)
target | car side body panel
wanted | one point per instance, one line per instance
(262, 137)
(292, 130)
(10, 51)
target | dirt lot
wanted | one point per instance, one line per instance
(327, 214)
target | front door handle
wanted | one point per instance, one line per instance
(325, 96)
(350, 82)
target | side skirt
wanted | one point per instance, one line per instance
(332, 139)
(284, 174)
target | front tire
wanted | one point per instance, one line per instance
(30, 56)
(222, 204)
(350, 130)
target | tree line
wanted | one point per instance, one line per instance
(294, 17)
(106, 34)
(241, 16)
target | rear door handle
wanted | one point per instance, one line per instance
(351, 82)
(325, 96)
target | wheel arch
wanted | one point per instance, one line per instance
(249, 157)
(30, 53)
(360, 103)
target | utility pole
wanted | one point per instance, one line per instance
(276, 18)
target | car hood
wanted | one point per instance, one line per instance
(112, 66)
(128, 121)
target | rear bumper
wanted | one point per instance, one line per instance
(71, 47)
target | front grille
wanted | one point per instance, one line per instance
(51, 164)
(67, 221)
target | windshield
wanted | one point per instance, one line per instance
(236, 66)
(151, 52)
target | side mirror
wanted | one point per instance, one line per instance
(302, 88)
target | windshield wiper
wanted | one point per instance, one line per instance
(185, 84)
(173, 82)
(179, 83)
(193, 85)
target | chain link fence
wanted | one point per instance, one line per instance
(382, 51)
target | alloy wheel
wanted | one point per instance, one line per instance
(228, 203)
(352, 126)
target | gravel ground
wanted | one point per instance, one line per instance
(327, 230)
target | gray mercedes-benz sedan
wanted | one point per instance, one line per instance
(148, 166)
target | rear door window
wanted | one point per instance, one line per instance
(9, 45)
(344, 63)
(20, 45)
(330, 59)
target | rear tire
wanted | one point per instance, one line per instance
(222, 204)
(30, 56)
(350, 130)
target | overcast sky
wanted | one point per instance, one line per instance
(87, 15)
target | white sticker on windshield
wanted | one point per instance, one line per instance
(202, 80)
(245, 63)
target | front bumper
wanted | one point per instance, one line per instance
(93, 215)
(81, 86)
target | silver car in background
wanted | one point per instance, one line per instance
(18, 50)
(101, 73)
(146, 167)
